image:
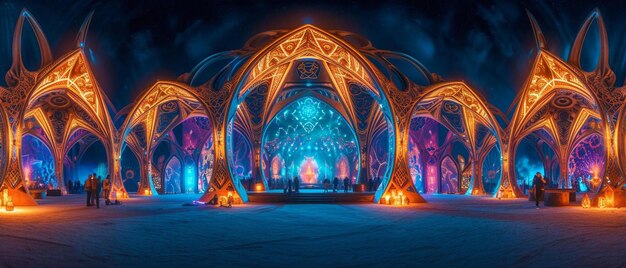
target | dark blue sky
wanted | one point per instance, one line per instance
(488, 43)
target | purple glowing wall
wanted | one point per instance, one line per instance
(585, 162)
(449, 176)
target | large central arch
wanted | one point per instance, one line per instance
(345, 66)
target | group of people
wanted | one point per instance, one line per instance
(74, 187)
(93, 186)
(292, 185)
(347, 184)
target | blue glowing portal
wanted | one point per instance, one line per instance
(310, 140)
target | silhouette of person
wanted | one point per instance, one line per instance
(106, 186)
(326, 185)
(539, 182)
(88, 190)
(296, 184)
(95, 190)
(335, 184)
(289, 186)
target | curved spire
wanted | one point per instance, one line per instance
(44, 48)
(539, 38)
(82, 33)
(574, 56)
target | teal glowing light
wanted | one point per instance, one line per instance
(310, 140)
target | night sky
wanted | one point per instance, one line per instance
(488, 44)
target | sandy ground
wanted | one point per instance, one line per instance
(449, 231)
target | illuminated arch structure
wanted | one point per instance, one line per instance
(372, 89)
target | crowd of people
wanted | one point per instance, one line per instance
(338, 184)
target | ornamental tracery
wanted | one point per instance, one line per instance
(560, 105)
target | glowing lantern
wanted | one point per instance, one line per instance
(595, 181)
(586, 203)
(387, 199)
(258, 187)
(146, 192)
(601, 202)
(9, 205)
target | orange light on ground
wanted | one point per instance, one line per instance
(586, 202)
(258, 187)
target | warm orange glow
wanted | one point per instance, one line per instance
(5, 196)
(9, 204)
(258, 187)
(601, 202)
(586, 202)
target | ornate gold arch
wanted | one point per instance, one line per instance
(146, 112)
(548, 78)
(474, 111)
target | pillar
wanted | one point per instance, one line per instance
(222, 183)
(400, 180)
(58, 171)
(13, 177)
(476, 184)
(146, 187)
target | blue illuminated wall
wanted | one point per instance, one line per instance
(310, 140)
(37, 163)
(527, 163)
(130, 170)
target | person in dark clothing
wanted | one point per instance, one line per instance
(106, 186)
(345, 184)
(335, 184)
(289, 186)
(88, 190)
(539, 182)
(95, 190)
(326, 185)
(370, 186)
(296, 184)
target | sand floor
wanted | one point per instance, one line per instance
(449, 231)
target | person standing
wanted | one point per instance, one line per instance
(95, 190)
(345, 184)
(335, 184)
(289, 186)
(326, 185)
(88, 190)
(296, 184)
(106, 186)
(539, 182)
